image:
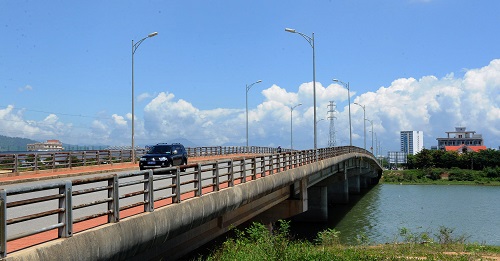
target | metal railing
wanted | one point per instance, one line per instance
(47, 160)
(61, 205)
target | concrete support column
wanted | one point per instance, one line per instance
(354, 185)
(317, 204)
(338, 192)
(364, 182)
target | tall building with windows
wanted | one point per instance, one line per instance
(460, 137)
(412, 142)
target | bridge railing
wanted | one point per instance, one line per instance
(46, 160)
(60, 209)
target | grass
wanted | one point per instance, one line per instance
(258, 243)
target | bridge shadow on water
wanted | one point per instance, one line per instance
(299, 230)
(308, 230)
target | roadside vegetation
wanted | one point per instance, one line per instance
(448, 167)
(258, 243)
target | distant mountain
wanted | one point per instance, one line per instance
(14, 143)
(187, 143)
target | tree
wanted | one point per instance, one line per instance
(424, 159)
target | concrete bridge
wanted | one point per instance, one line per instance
(166, 213)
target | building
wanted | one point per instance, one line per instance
(460, 137)
(50, 145)
(412, 142)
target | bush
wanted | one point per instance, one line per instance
(328, 237)
(457, 174)
(492, 172)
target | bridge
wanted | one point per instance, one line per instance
(172, 211)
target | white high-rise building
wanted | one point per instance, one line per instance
(412, 142)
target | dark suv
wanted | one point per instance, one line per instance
(164, 155)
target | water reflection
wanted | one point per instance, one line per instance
(380, 213)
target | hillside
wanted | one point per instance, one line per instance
(14, 143)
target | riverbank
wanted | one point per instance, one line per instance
(256, 243)
(438, 176)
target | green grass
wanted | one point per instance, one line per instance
(258, 243)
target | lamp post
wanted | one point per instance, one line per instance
(371, 121)
(364, 123)
(247, 88)
(291, 124)
(310, 40)
(349, 98)
(134, 48)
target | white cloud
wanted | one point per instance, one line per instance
(430, 104)
(119, 120)
(143, 96)
(25, 88)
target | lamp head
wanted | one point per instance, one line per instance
(259, 81)
(336, 80)
(290, 30)
(152, 34)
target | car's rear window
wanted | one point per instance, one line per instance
(160, 150)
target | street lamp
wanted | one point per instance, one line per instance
(371, 121)
(349, 98)
(134, 48)
(247, 88)
(310, 40)
(364, 122)
(291, 126)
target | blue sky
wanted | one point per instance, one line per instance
(429, 65)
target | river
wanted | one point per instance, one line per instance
(379, 214)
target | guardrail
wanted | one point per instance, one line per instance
(46, 160)
(108, 198)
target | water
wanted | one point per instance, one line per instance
(473, 211)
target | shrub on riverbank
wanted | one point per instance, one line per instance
(257, 243)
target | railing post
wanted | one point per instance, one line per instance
(231, 173)
(3, 223)
(244, 171)
(66, 217)
(176, 180)
(198, 185)
(263, 163)
(149, 199)
(35, 161)
(278, 160)
(16, 162)
(114, 204)
(215, 179)
(254, 166)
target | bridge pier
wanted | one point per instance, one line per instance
(354, 185)
(318, 204)
(338, 193)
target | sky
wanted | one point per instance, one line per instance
(426, 65)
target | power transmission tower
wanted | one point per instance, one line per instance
(331, 117)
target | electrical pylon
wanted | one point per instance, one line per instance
(331, 117)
